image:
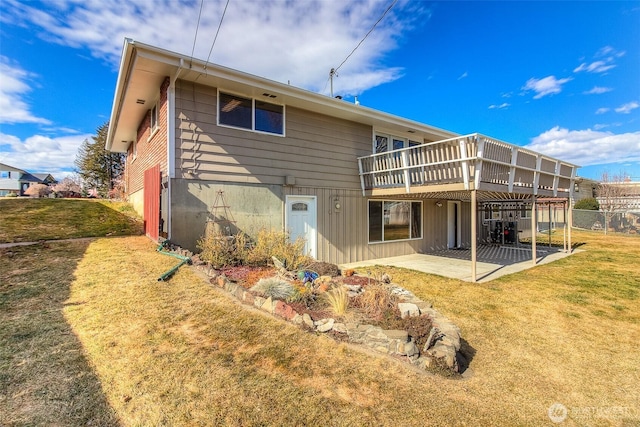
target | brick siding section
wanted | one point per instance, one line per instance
(150, 151)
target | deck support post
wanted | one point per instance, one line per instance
(570, 224)
(534, 229)
(474, 237)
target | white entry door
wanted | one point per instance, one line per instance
(301, 220)
(454, 225)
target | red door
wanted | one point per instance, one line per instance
(152, 202)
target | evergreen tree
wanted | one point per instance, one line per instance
(97, 167)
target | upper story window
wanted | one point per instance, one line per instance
(5, 174)
(250, 114)
(154, 118)
(385, 142)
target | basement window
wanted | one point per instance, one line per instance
(392, 220)
(250, 114)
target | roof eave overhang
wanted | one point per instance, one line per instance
(142, 67)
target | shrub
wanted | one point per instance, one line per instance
(274, 243)
(274, 287)
(218, 249)
(376, 300)
(11, 194)
(324, 268)
(38, 190)
(338, 300)
(589, 204)
(303, 294)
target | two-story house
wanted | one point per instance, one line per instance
(355, 182)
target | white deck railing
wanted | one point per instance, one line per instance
(474, 162)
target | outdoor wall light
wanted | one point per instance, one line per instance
(439, 204)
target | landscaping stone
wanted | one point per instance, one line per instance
(221, 281)
(411, 349)
(268, 305)
(408, 309)
(284, 310)
(230, 287)
(258, 301)
(397, 334)
(324, 325)
(248, 298)
(297, 319)
(340, 327)
(307, 320)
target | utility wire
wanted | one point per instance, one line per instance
(367, 35)
(216, 37)
(196, 36)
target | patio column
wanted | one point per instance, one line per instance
(570, 221)
(474, 237)
(534, 229)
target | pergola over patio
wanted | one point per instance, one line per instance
(473, 168)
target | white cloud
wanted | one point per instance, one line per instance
(501, 106)
(588, 147)
(285, 41)
(627, 108)
(594, 67)
(602, 110)
(41, 153)
(463, 75)
(598, 90)
(605, 58)
(14, 86)
(545, 86)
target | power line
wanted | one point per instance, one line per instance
(218, 31)
(364, 38)
(196, 35)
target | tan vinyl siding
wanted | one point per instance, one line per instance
(317, 149)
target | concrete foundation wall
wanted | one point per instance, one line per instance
(252, 207)
(342, 233)
(137, 201)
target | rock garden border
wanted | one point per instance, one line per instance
(440, 351)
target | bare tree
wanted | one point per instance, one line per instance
(69, 186)
(612, 196)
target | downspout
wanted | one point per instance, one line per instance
(171, 140)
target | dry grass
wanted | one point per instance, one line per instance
(183, 353)
(28, 220)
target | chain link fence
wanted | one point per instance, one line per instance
(617, 222)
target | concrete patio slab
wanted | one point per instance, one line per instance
(492, 262)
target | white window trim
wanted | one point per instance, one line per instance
(399, 240)
(153, 129)
(134, 150)
(253, 114)
(407, 138)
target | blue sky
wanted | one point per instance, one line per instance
(560, 77)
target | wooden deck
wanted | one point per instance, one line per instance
(459, 165)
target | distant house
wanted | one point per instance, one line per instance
(356, 183)
(17, 181)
